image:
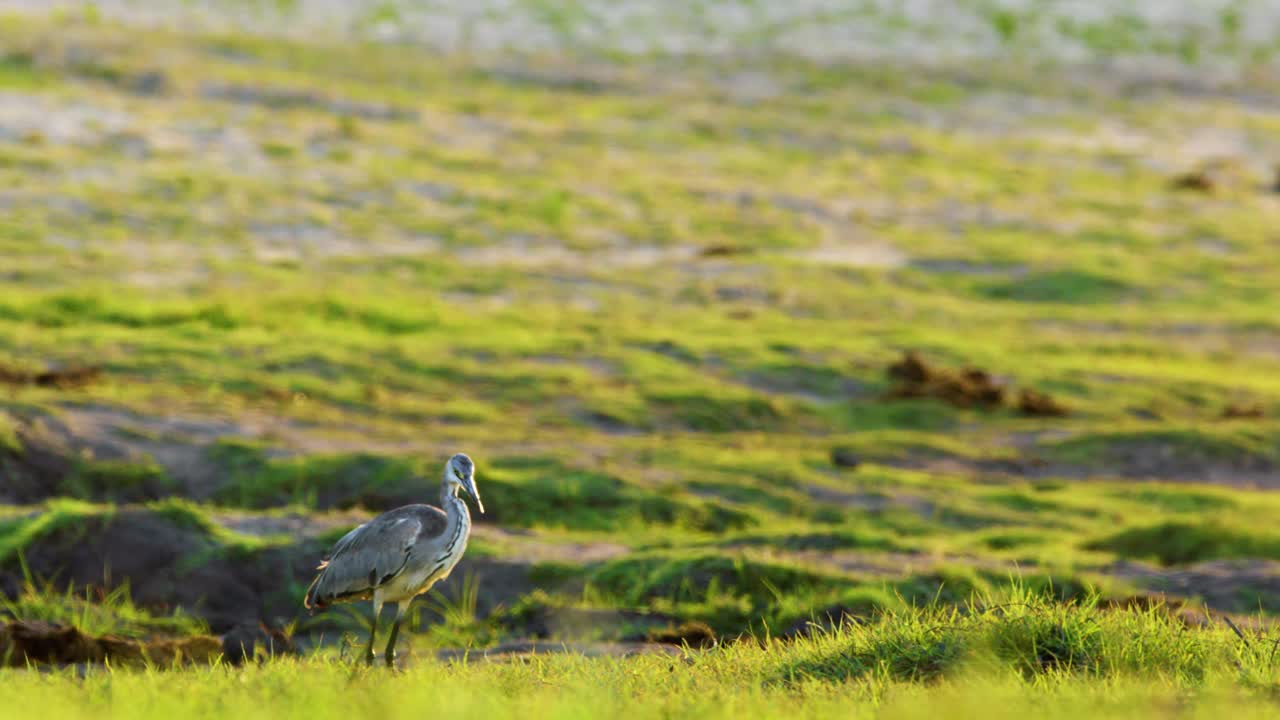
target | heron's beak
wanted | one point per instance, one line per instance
(469, 484)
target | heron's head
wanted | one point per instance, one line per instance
(461, 473)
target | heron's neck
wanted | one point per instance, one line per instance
(455, 508)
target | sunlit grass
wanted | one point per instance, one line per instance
(995, 660)
(95, 613)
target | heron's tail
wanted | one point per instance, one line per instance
(312, 601)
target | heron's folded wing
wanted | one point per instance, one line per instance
(372, 554)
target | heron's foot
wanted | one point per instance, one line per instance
(391, 658)
(369, 657)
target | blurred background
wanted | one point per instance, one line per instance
(754, 316)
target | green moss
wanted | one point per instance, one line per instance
(19, 532)
(678, 578)
(1012, 539)
(1063, 286)
(337, 481)
(19, 71)
(9, 441)
(1178, 542)
(1185, 447)
(831, 540)
(550, 495)
(710, 413)
(117, 481)
(1177, 499)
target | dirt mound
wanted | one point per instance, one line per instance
(1213, 175)
(1197, 180)
(964, 388)
(969, 387)
(1038, 404)
(693, 634)
(723, 251)
(168, 564)
(22, 643)
(1244, 411)
(67, 378)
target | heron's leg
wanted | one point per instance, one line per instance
(373, 628)
(395, 632)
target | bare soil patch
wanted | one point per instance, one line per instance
(1234, 586)
(54, 446)
(292, 99)
(1141, 460)
(522, 547)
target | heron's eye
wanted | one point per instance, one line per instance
(457, 474)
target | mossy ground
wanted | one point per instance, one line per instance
(651, 306)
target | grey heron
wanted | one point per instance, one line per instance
(399, 554)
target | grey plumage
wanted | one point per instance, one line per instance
(373, 554)
(399, 554)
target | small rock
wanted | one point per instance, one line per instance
(151, 82)
(843, 457)
(1144, 414)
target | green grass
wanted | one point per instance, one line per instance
(109, 612)
(994, 660)
(17, 533)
